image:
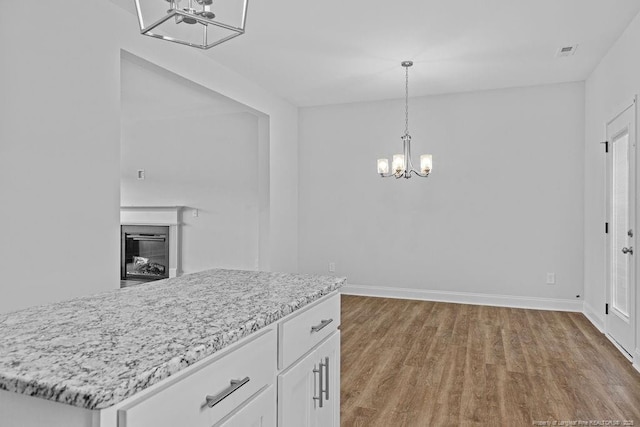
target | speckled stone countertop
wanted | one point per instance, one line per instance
(95, 351)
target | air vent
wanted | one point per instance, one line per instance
(567, 50)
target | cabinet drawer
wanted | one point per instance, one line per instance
(259, 411)
(300, 333)
(183, 402)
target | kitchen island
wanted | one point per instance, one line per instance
(114, 358)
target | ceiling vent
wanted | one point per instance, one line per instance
(566, 51)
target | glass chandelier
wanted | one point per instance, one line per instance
(197, 23)
(402, 166)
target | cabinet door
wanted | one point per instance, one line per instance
(314, 378)
(329, 355)
(297, 387)
(259, 411)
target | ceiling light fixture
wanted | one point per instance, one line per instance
(192, 22)
(402, 167)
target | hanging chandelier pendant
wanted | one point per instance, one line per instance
(196, 23)
(401, 165)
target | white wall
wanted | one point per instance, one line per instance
(283, 123)
(194, 164)
(59, 147)
(610, 88)
(503, 207)
(59, 130)
(198, 150)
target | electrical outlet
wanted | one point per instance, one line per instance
(332, 267)
(551, 278)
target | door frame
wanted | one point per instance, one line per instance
(633, 206)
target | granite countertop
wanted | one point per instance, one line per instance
(95, 351)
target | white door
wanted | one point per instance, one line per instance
(621, 287)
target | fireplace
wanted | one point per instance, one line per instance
(145, 252)
(162, 222)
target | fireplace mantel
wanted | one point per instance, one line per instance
(150, 215)
(159, 215)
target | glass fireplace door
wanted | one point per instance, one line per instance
(145, 252)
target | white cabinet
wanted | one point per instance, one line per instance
(209, 392)
(309, 363)
(307, 352)
(259, 411)
(297, 390)
(309, 391)
(329, 354)
(303, 331)
(291, 367)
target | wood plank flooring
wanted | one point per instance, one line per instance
(418, 363)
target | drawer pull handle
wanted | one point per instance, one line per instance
(319, 397)
(234, 385)
(322, 324)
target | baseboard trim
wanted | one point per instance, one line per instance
(622, 351)
(464, 298)
(596, 319)
(636, 360)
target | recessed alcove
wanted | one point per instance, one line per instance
(203, 152)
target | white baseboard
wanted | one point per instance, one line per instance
(622, 351)
(598, 320)
(594, 317)
(465, 298)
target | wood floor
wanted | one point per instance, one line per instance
(417, 363)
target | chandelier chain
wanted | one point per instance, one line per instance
(406, 102)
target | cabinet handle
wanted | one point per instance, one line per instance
(319, 397)
(322, 324)
(234, 385)
(326, 377)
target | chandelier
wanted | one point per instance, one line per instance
(197, 23)
(401, 166)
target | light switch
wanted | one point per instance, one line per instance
(140, 173)
(551, 278)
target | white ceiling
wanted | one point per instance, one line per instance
(337, 51)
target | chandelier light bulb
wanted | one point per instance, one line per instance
(383, 165)
(426, 163)
(398, 163)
